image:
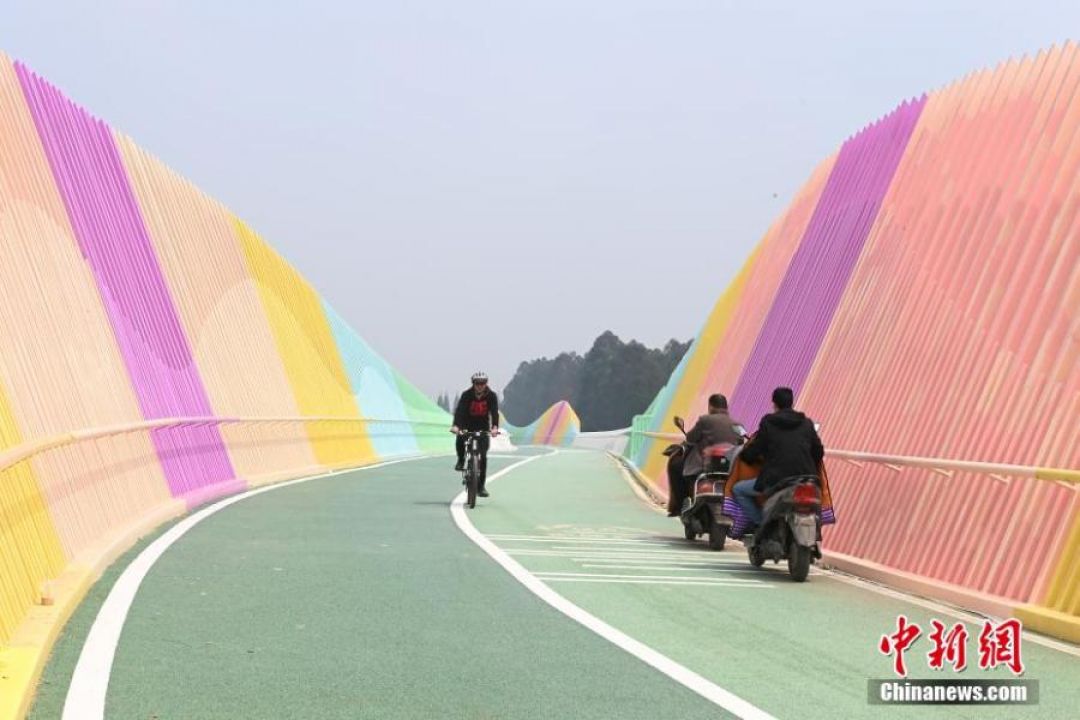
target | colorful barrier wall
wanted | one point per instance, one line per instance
(129, 295)
(558, 426)
(922, 296)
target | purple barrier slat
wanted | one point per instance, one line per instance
(112, 236)
(815, 280)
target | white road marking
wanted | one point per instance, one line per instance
(702, 686)
(90, 681)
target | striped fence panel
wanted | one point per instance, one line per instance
(929, 307)
(131, 299)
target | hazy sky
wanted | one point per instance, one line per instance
(473, 184)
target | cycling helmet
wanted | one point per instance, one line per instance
(479, 377)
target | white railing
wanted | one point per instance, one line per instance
(942, 466)
(24, 451)
(612, 440)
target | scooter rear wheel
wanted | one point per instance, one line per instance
(688, 532)
(798, 563)
(757, 557)
(717, 536)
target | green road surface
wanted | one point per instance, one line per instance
(356, 596)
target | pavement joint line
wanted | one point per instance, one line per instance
(698, 583)
(739, 581)
(621, 550)
(639, 559)
(690, 550)
(584, 552)
(89, 685)
(597, 541)
(647, 558)
(678, 549)
(698, 568)
(681, 674)
(653, 561)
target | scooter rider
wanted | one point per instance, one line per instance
(788, 444)
(477, 409)
(711, 429)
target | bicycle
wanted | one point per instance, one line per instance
(471, 473)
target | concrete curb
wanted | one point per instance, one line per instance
(639, 483)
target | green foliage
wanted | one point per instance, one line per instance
(443, 401)
(608, 386)
(539, 384)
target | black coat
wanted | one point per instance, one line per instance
(475, 412)
(788, 444)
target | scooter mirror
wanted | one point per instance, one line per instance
(679, 423)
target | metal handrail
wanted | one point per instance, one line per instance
(24, 451)
(1063, 475)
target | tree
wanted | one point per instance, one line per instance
(539, 384)
(608, 386)
(444, 402)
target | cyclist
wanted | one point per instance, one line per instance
(478, 409)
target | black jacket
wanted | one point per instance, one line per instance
(477, 413)
(789, 445)
(710, 429)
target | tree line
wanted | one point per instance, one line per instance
(608, 386)
(444, 402)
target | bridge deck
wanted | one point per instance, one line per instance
(356, 595)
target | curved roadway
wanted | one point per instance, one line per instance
(356, 596)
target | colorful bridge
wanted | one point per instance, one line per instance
(216, 500)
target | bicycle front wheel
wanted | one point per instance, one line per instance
(472, 480)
